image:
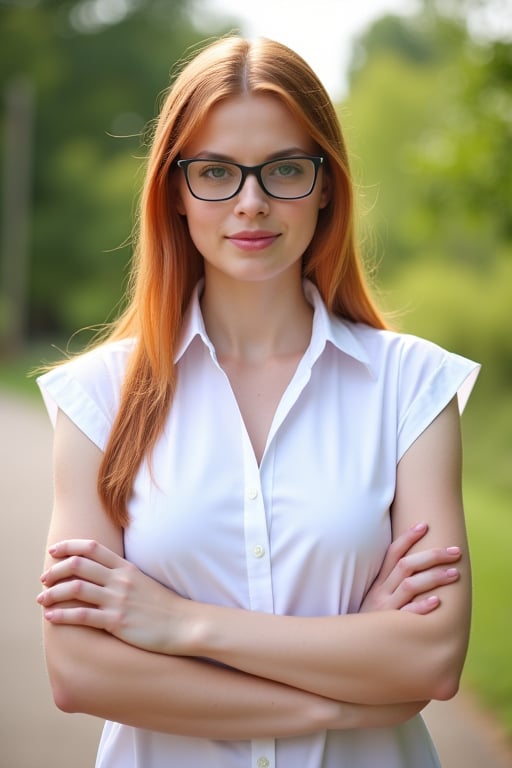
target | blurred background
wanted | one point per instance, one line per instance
(424, 94)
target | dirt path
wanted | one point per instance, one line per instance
(33, 733)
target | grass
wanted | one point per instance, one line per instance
(487, 491)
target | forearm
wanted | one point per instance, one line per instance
(97, 674)
(94, 673)
(376, 658)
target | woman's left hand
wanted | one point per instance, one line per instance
(407, 578)
(92, 586)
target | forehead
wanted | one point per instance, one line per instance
(249, 128)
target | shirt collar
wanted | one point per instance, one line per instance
(193, 325)
(331, 328)
(326, 328)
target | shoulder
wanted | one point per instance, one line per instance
(101, 367)
(88, 387)
(385, 347)
(403, 356)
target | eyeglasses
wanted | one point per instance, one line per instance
(287, 178)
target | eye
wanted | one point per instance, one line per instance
(215, 172)
(286, 169)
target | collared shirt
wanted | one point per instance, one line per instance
(304, 533)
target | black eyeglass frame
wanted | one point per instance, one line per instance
(250, 170)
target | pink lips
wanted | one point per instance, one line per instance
(253, 240)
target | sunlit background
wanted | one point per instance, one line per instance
(424, 93)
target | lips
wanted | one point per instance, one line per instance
(253, 240)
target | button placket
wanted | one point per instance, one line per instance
(263, 753)
(257, 548)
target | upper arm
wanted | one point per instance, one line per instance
(429, 489)
(77, 514)
(77, 511)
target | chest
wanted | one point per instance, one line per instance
(302, 530)
(258, 390)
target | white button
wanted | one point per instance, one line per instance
(259, 551)
(252, 493)
(263, 762)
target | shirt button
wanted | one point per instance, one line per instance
(263, 762)
(252, 493)
(259, 551)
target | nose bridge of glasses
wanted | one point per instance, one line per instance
(251, 170)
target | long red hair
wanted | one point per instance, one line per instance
(166, 263)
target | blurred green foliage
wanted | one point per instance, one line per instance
(429, 124)
(97, 68)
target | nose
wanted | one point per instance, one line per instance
(251, 199)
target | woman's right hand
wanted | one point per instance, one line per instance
(406, 579)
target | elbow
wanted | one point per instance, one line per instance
(444, 678)
(68, 695)
(63, 699)
(446, 687)
(70, 677)
(445, 653)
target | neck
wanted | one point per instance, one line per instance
(254, 321)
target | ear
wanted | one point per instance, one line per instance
(176, 193)
(179, 203)
(325, 194)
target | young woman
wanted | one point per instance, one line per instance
(258, 508)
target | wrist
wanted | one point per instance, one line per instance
(197, 632)
(337, 715)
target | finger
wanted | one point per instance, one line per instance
(76, 567)
(420, 583)
(400, 546)
(76, 590)
(79, 616)
(420, 561)
(88, 548)
(422, 606)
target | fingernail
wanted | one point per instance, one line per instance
(52, 549)
(453, 550)
(39, 598)
(420, 527)
(452, 572)
(44, 576)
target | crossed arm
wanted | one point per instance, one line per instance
(121, 646)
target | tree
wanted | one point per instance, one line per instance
(432, 111)
(96, 68)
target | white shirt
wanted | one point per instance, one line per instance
(302, 534)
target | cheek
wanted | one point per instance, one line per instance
(203, 223)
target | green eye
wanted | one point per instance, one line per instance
(286, 170)
(213, 172)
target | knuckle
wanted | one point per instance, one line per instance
(76, 588)
(403, 566)
(408, 586)
(81, 615)
(74, 563)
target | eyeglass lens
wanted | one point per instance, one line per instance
(285, 178)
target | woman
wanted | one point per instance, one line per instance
(255, 482)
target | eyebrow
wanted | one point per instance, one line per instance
(289, 152)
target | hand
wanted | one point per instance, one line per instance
(110, 593)
(406, 577)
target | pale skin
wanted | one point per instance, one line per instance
(122, 646)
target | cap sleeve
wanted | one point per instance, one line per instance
(87, 389)
(430, 377)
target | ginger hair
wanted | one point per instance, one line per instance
(166, 264)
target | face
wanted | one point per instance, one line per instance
(252, 236)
